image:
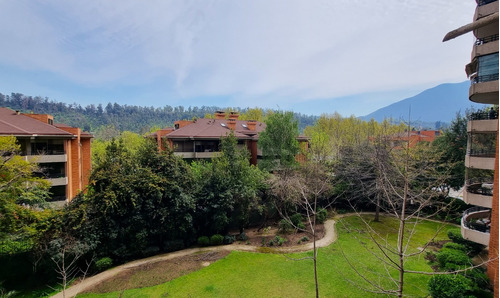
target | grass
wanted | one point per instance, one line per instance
(243, 274)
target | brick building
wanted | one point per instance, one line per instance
(62, 152)
(200, 138)
(480, 224)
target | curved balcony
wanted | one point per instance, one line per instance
(479, 192)
(475, 225)
(480, 159)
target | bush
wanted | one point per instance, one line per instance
(303, 239)
(449, 286)
(203, 241)
(228, 239)
(216, 239)
(242, 237)
(452, 259)
(478, 277)
(455, 246)
(301, 226)
(472, 247)
(279, 240)
(284, 226)
(103, 264)
(296, 219)
(321, 216)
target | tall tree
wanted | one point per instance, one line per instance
(279, 141)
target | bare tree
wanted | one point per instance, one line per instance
(301, 190)
(406, 180)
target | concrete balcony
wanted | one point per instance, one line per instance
(58, 181)
(484, 48)
(197, 154)
(480, 162)
(489, 125)
(46, 158)
(485, 8)
(475, 225)
(478, 193)
(482, 91)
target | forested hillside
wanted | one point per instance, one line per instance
(123, 117)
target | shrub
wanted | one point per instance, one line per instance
(216, 239)
(279, 240)
(296, 219)
(303, 239)
(455, 246)
(103, 264)
(284, 226)
(242, 237)
(478, 277)
(321, 215)
(228, 239)
(472, 247)
(301, 226)
(449, 259)
(449, 286)
(203, 241)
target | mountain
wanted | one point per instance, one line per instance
(440, 103)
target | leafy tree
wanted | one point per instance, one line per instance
(228, 188)
(279, 141)
(453, 146)
(19, 192)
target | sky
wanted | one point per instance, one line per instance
(309, 56)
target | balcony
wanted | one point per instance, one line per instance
(484, 2)
(58, 181)
(479, 192)
(46, 158)
(475, 225)
(480, 159)
(196, 154)
(483, 121)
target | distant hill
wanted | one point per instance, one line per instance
(438, 104)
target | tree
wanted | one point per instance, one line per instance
(228, 188)
(20, 190)
(453, 146)
(303, 190)
(279, 141)
(408, 180)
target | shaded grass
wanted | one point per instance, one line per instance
(243, 274)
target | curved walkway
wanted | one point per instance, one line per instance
(330, 236)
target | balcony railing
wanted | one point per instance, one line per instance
(481, 115)
(484, 2)
(486, 39)
(481, 152)
(478, 219)
(480, 186)
(484, 78)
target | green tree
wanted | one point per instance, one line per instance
(19, 192)
(279, 141)
(453, 146)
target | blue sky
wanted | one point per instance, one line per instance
(310, 56)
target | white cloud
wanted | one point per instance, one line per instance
(288, 50)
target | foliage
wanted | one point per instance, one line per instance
(284, 226)
(216, 239)
(279, 141)
(242, 237)
(228, 189)
(229, 239)
(103, 264)
(453, 145)
(277, 240)
(450, 286)
(321, 215)
(472, 248)
(138, 119)
(203, 241)
(452, 259)
(134, 201)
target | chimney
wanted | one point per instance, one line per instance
(231, 123)
(251, 124)
(45, 118)
(234, 115)
(220, 115)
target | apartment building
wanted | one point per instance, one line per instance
(62, 152)
(200, 138)
(480, 223)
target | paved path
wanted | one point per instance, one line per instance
(330, 236)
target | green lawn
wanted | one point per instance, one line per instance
(243, 274)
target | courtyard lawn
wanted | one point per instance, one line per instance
(243, 274)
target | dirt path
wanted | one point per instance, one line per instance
(330, 236)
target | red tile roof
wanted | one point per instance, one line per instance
(12, 123)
